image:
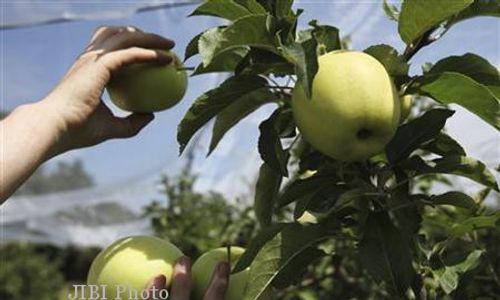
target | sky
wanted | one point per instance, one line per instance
(35, 58)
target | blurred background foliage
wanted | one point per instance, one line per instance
(198, 222)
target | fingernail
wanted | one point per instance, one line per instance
(184, 262)
(160, 281)
(223, 269)
(164, 58)
(150, 117)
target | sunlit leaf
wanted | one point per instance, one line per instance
(237, 111)
(287, 245)
(394, 63)
(246, 31)
(417, 17)
(227, 9)
(471, 65)
(215, 101)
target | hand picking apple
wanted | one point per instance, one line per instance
(145, 88)
(73, 115)
(144, 267)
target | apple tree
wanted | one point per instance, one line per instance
(374, 224)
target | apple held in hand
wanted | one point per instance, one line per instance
(130, 263)
(205, 265)
(146, 88)
(354, 110)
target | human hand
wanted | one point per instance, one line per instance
(181, 282)
(82, 117)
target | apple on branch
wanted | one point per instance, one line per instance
(354, 110)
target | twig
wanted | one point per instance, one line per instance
(425, 40)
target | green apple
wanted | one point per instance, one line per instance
(204, 267)
(131, 263)
(354, 110)
(145, 87)
(406, 103)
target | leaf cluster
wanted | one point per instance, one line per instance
(377, 208)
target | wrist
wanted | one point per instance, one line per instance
(44, 122)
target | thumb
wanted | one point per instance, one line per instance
(129, 126)
(156, 285)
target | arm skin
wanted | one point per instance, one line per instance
(73, 116)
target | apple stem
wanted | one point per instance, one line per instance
(228, 248)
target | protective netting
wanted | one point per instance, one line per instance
(98, 215)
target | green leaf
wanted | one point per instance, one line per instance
(444, 145)
(246, 31)
(226, 9)
(259, 61)
(418, 17)
(394, 63)
(237, 111)
(275, 256)
(466, 167)
(455, 165)
(302, 187)
(391, 11)
(448, 277)
(470, 65)
(317, 201)
(456, 199)
(296, 267)
(475, 223)
(283, 8)
(192, 47)
(495, 90)
(266, 191)
(327, 37)
(263, 236)
(386, 253)
(405, 212)
(416, 132)
(226, 62)
(451, 87)
(270, 147)
(267, 4)
(304, 56)
(252, 5)
(477, 9)
(215, 101)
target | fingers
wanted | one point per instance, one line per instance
(102, 33)
(181, 282)
(127, 39)
(155, 286)
(117, 59)
(129, 126)
(219, 282)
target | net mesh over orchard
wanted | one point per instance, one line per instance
(41, 39)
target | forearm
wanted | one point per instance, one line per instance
(28, 137)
